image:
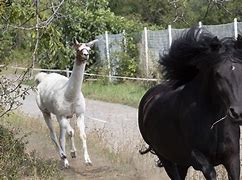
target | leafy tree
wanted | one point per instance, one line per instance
(83, 20)
(179, 13)
(13, 20)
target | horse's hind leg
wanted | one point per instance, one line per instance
(171, 169)
(182, 170)
(200, 162)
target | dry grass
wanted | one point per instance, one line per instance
(118, 158)
(121, 163)
(15, 161)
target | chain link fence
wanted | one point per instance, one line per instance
(151, 45)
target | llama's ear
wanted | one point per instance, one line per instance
(76, 42)
(91, 43)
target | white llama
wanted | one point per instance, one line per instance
(63, 97)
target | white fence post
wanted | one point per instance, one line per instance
(235, 28)
(108, 56)
(124, 41)
(200, 24)
(169, 35)
(67, 72)
(146, 52)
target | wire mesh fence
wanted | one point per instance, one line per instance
(151, 45)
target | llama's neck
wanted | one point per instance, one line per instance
(75, 82)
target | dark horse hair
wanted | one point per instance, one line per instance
(193, 117)
(181, 63)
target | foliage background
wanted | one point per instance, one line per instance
(42, 31)
(59, 21)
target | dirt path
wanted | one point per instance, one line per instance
(110, 127)
(118, 122)
(113, 141)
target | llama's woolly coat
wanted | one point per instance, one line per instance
(53, 99)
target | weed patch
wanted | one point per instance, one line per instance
(128, 93)
(15, 163)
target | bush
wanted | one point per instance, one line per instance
(16, 164)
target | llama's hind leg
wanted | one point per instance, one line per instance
(65, 127)
(70, 132)
(81, 127)
(47, 117)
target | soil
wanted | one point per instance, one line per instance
(113, 143)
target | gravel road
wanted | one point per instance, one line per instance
(118, 123)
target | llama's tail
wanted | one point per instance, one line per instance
(39, 77)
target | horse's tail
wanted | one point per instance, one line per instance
(40, 77)
(149, 149)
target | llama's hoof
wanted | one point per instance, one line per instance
(73, 154)
(66, 164)
(88, 163)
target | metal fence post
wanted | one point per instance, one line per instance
(125, 41)
(235, 28)
(108, 56)
(169, 35)
(67, 72)
(146, 52)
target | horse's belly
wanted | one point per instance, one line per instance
(167, 140)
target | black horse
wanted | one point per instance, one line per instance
(192, 119)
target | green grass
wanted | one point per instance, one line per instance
(128, 93)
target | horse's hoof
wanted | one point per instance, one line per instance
(73, 154)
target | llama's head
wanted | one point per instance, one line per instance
(82, 50)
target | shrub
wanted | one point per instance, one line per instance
(16, 164)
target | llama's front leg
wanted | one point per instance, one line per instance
(81, 127)
(53, 136)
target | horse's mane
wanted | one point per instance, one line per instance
(195, 47)
(238, 48)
